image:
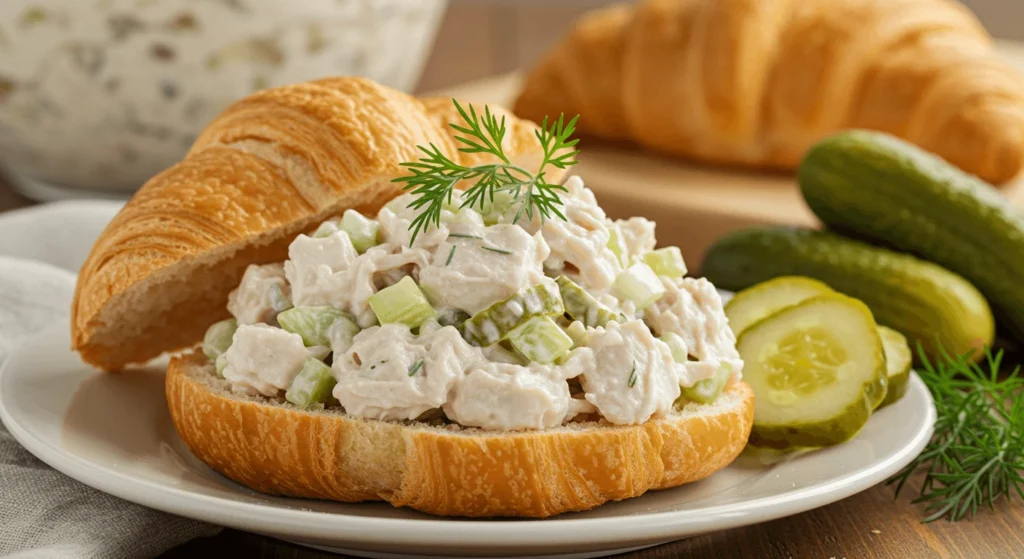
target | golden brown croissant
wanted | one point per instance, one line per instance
(755, 82)
(271, 166)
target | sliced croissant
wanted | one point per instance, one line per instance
(268, 168)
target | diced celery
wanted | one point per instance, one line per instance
(540, 340)
(461, 220)
(707, 390)
(218, 338)
(341, 334)
(278, 300)
(680, 353)
(326, 229)
(220, 363)
(618, 245)
(312, 385)
(667, 262)
(312, 323)
(402, 303)
(494, 323)
(582, 306)
(492, 212)
(639, 284)
(318, 352)
(361, 230)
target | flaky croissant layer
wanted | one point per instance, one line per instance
(751, 82)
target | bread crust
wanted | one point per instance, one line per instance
(271, 166)
(756, 83)
(276, 448)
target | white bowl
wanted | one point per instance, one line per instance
(103, 94)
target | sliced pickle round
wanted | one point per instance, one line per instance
(817, 369)
(766, 298)
(898, 358)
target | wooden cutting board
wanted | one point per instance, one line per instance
(693, 205)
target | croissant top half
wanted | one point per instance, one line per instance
(271, 166)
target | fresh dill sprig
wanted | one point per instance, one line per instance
(433, 177)
(976, 454)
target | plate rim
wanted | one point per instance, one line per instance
(451, 532)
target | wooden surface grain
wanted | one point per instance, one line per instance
(868, 525)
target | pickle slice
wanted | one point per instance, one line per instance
(897, 363)
(497, 321)
(582, 306)
(817, 370)
(766, 298)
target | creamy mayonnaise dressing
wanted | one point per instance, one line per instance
(620, 372)
(486, 264)
(263, 359)
(255, 300)
(634, 376)
(692, 309)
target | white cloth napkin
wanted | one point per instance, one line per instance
(43, 513)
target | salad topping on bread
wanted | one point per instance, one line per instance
(482, 320)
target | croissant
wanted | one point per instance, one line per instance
(271, 166)
(755, 82)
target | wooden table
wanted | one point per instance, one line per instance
(870, 524)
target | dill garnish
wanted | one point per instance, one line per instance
(498, 250)
(415, 368)
(433, 177)
(976, 453)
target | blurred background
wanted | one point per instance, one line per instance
(98, 95)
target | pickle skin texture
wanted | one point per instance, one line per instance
(922, 300)
(843, 425)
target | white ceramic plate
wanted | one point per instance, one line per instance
(114, 432)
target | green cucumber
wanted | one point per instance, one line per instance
(888, 191)
(923, 301)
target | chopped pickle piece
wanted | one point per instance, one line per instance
(311, 323)
(361, 230)
(497, 321)
(218, 338)
(582, 306)
(452, 317)
(667, 262)
(312, 385)
(817, 369)
(639, 284)
(540, 340)
(898, 358)
(402, 303)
